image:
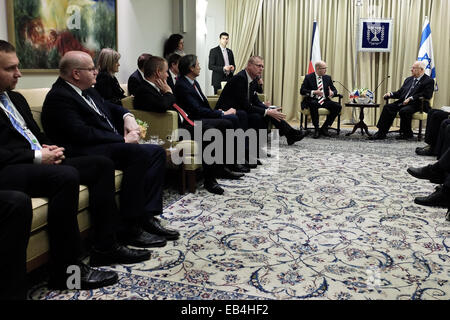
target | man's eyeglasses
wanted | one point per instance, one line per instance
(259, 65)
(93, 69)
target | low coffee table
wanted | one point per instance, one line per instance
(361, 124)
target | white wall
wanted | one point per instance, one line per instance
(215, 22)
(143, 25)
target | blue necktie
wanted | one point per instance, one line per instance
(16, 124)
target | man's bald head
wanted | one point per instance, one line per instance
(321, 68)
(73, 60)
(78, 68)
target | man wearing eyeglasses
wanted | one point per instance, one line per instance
(31, 164)
(318, 90)
(241, 93)
(76, 117)
(418, 86)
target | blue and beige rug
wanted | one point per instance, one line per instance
(333, 219)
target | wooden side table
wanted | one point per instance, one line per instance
(361, 124)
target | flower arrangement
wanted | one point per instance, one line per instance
(362, 95)
(144, 127)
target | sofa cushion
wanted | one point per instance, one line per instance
(40, 205)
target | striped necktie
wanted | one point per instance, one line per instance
(320, 87)
(17, 125)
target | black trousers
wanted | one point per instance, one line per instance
(60, 184)
(15, 223)
(434, 120)
(211, 170)
(143, 167)
(443, 140)
(332, 106)
(389, 113)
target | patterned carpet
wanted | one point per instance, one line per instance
(332, 219)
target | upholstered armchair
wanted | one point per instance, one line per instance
(305, 113)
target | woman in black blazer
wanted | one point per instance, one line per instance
(107, 84)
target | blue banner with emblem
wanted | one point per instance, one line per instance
(375, 35)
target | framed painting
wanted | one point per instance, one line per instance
(44, 30)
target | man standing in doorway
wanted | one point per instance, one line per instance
(221, 62)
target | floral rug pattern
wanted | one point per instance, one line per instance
(330, 219)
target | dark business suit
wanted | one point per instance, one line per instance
(149, 99)
(443, 140)
(216, 64)
(134, 82)
(109, 88)
(15, 223)
(239, 95)
(433, 133)
(59, 183)
(170, 81)
(424, 88)
(72, 123)
(312, 103)
(197, 107)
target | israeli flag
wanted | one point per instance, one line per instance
(426, 51)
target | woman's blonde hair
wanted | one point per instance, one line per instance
(107, 60)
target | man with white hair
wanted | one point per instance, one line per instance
(418, 86)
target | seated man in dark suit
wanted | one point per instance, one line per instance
(240, 93)
(221, 62)
(438, 173)
(190, 97)
(157, 96)
(75, 116)
(136, 79)
(31, 164)
(173, 71)
(318, 89)
(437, 122)
(16, 214)
(418, 86)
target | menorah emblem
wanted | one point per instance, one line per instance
(376, 30)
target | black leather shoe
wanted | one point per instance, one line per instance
(424, 151)
(228, 174)
(142, 239)
(153, 226)
(324, 132)
(427, 173)
(118, 255)
(294, 136)
(251, 166)
(447, 216)
(404, 136)
(212, 186)
(439, 198)
(240, 168)
(378, 136)
(90, 279)
(316, 134)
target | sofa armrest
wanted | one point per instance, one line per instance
(160, 124)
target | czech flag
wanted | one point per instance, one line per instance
(315, 48)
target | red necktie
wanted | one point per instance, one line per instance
(183, 114)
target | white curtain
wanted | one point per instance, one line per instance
(284, 39)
